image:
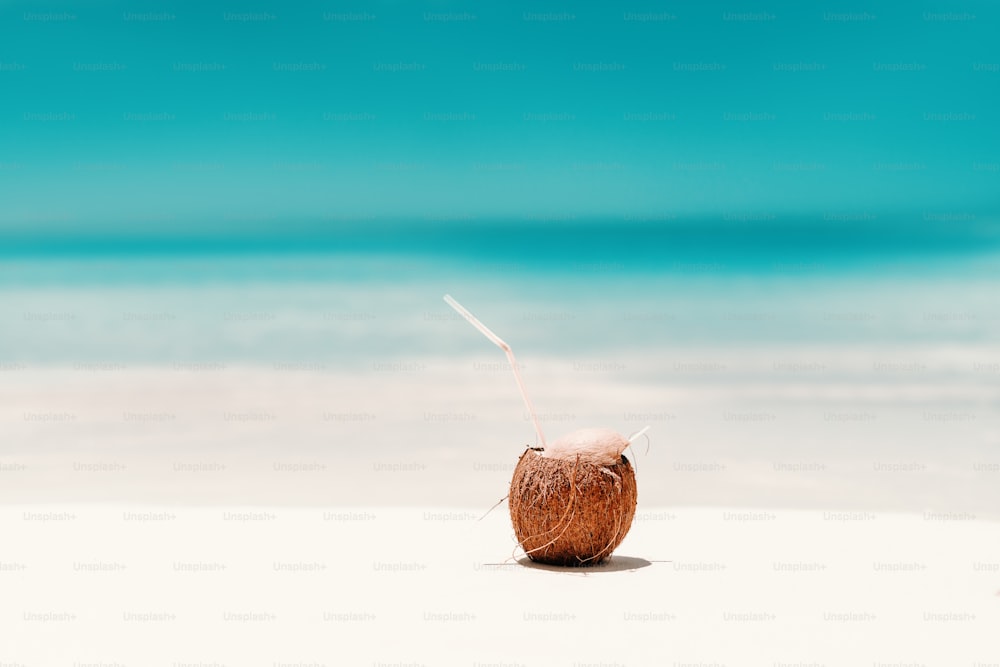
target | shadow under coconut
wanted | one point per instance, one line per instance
(611, 564)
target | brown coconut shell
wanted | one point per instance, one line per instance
(571, 512)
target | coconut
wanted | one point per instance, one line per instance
(571, 502)
(571, 512)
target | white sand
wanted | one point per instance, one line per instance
(442, 432)
(113, 585)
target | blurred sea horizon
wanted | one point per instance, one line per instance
(735, 240)
(677, 281)
(776, 368)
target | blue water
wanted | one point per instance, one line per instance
(149, 119)
(351, 310)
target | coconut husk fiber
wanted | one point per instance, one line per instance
(571, 512)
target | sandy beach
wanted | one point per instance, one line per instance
(239, 516)
(268, 586)
(447, 432)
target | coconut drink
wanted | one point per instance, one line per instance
(572, 501)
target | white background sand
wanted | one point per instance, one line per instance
(114, 585)
(448, 432)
